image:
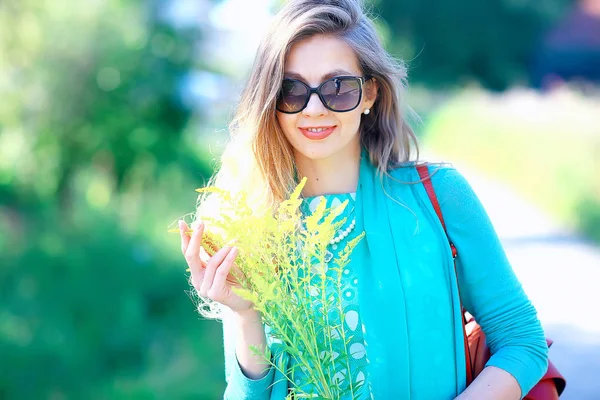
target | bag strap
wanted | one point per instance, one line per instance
(423, 171)
(424, 174)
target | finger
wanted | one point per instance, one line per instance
(192, 256)
(185, 239)
(192, 253)
(211, 267)
(220, 280)
(204, 256)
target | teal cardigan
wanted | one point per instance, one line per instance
(411, 306)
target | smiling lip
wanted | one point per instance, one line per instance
(318, 135)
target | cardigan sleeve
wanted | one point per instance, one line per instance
(239, 386)
(489, 288)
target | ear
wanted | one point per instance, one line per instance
(370, 92)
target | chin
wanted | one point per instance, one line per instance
(320, 151)
(334, 146)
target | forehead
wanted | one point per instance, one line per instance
(316, 57)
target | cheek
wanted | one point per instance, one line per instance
(351, 121)
(286, 122)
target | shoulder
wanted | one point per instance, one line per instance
(451, 188)
(444, 175)
(441, 173)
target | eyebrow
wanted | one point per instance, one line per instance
(335, 72)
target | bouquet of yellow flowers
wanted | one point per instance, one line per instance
(286, 271)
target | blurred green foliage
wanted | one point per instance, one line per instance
(94, 312)
(90, 85)
(95, 161)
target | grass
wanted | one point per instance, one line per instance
(546, 146)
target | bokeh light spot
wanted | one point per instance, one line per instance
(98, 194)
(108, 79)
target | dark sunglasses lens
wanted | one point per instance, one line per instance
(341, 94)
(292, 96)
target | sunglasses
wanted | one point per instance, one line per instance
(339, 94)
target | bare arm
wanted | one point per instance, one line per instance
(492, 384)
(250, 333)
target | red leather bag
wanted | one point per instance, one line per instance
(477, 353)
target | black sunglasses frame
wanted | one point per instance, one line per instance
(361, 79)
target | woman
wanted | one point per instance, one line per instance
(323, 102)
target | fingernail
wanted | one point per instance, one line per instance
(197, 224)
(180, 224)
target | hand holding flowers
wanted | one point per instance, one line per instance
(278, 271)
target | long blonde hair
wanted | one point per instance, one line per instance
(258, 159)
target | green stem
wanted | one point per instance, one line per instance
(326, 311)
(341, 312)
(306, 303)
(312, 351)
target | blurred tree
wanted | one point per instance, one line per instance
(88, 84)
(448, 43)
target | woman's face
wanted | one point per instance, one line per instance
(313, 61)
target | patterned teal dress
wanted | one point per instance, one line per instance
(354, 368)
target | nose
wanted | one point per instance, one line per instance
(315, 107)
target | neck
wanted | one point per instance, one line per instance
(335, 174)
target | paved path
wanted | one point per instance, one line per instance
(560, 273)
